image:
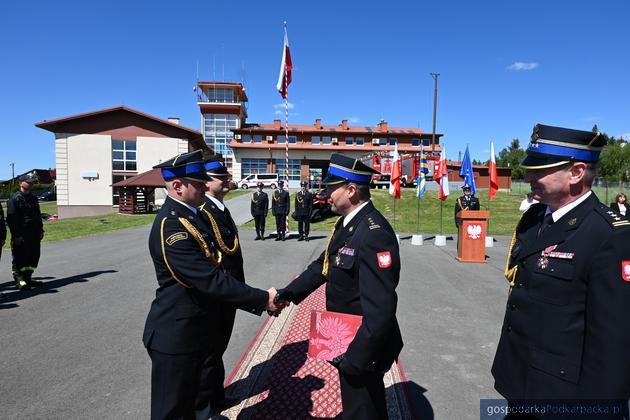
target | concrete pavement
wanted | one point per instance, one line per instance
(73, 348)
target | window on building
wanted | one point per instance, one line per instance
(116, 191)
(247, 138)
(217, 131)
(325, 140)
(426, 142)
(349, 141)
(257, 138)
(415, 142)
(315, 139)
(383, 141)
(123, 155)
(221, 95)
(253, 166)
(359, 141)
(292, 139)
(294, 169)
(392, 141)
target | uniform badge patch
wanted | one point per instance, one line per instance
(384, 259)
(625, 270)
(179, 236)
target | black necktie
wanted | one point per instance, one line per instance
(547, 221)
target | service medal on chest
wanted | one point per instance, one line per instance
(543, 262)
(338, 259)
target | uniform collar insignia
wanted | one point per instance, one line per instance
(572, 221)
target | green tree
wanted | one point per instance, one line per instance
(512, 156)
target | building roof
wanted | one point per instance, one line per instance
(379, 130)
(150, 179)
(367, 148)
(122, 120)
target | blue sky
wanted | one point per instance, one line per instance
(504, 65)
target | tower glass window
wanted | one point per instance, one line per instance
(220, 95)
(217, 131)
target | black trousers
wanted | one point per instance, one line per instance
(260, 224)
(281, 224)
(179, 385)
(304, 225)
(26, 255)
(363, 396)
(216, 368)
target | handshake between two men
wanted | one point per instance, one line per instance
(278, 300)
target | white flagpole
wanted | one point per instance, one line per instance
(286, 127)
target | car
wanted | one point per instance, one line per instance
(268, 180)
(48, 196)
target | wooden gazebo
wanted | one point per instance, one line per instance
(136, 192)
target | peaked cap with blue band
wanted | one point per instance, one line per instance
(214, 166)
(556, 146)
(187, 165)
(346, 169)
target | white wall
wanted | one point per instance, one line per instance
(152, 150)
(88, 153)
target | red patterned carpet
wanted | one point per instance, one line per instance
(274, 379)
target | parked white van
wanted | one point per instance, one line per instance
(268, 180)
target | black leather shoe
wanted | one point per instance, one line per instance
(306, 238)
(257, 238)
(262, 237)
(278, 238)
(301, 238)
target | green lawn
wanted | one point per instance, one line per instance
(503, 209)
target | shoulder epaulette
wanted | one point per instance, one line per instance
(372, 224)
(613, 218)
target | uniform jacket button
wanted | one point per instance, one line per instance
(562, 372)
(513, 307)
(508, 329)
(519, 285)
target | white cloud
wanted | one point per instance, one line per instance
(521, 66)
(354, 120)
(281, 106)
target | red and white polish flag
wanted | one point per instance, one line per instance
(286, 68)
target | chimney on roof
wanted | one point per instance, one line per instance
(344, 124)
(383, 126)
(276, 124)
(174, 120)
(318, 123)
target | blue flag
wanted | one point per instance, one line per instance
(423, 170)
(466, 172)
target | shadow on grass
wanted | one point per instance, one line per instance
(47, 287)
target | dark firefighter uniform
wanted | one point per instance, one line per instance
(181, 333)
(27, 230)
(303, 207)
(361, 269)
(3, 229)
(224, 235)
(465, 202)
(565, 332)
(259, 210)
(280, 207)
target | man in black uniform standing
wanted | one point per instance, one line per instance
(303, 207)
(259, 210)
(280, 206)
(27, 231)
(3, 234)
(181, 333)
(224, 235)
(466, 202)
(361, 269)
(565, 331)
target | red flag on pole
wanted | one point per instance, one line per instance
(286, 67)
(394, 180)
(494, 179)
(441, 176)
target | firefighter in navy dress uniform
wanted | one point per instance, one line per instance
(181, 332)
(303, 207)
(565, 332)
(224, 234)
(280, 206)
(3, 234)
(259, 210)
(466, 202)
(27, 231)
(361, 269)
